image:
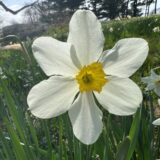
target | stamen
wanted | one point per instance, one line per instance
(87, 78)
(91, 77)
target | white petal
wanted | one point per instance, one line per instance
(159, 102)
(150, 82)
(157, 89)
(146, 80)
(53, 56)
(120, 96)
(86, 35)
(86, 118)
(52, 97)
(154, 76)
(156, 122)
(125, 57)
(151, 86)
(74, 58)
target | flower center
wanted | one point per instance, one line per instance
(91, 77)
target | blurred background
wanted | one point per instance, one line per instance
(39, 15)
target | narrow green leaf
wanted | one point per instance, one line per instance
(133, 134)
(123, 149)
(17, 146)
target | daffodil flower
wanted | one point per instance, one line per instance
(81, 72)
(153, 82)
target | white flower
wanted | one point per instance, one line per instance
(111, 29)
(156, 122)
(129, 17)
(79, 72)
(156, 29)
(159, 102)
(153, 82)
(1, 72)
(2, 76)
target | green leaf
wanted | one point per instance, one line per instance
(123, 149)
(17, 146)
(133, 134)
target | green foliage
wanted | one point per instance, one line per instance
(23, 136)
